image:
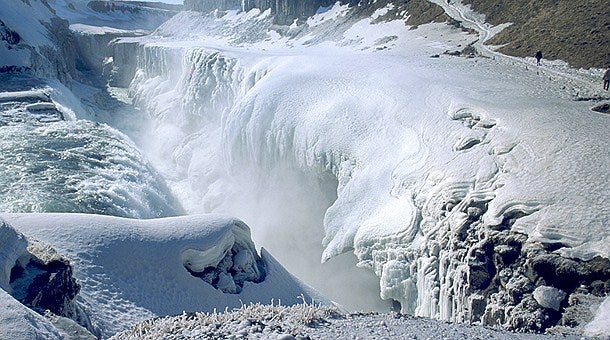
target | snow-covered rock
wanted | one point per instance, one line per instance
(549, 297)
(19, 322)
(34, 40)
(94, 46)
(132, 270)
(40, 279)
(12, 247)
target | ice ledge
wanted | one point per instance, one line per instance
(228, 264)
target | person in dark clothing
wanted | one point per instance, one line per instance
(538, 57)
(606, 78)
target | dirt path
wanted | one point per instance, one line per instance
(580, 84)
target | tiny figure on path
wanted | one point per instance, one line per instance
(606, 78)
(538, 57)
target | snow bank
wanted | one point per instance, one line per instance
(600, 325)
(20, 322)
(12, 247)
(132, 270)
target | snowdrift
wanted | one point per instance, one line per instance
(132, 270)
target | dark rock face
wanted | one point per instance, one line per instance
(505, 271)
(505, 274)
(285, 11)
(45, 284)
(210, 5)
(602, 108)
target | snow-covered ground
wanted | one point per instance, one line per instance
(305, 321)
(132, 270)
(466, 185)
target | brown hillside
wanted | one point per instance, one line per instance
(577, 31)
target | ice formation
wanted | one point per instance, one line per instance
(229, 263)
(460, 225)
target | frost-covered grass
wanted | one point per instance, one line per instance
(253, 320)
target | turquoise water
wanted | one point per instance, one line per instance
(48, 164)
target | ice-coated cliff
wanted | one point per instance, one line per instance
(34, 40)
(464, 189)
(284, 11)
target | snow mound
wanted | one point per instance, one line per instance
(133, 270)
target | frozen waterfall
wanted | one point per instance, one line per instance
(371, 159)
(399, 159)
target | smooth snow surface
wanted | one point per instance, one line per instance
(19, 322)
(132, 270)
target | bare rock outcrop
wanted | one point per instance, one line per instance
(41, 279)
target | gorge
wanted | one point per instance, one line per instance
(348, 136)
